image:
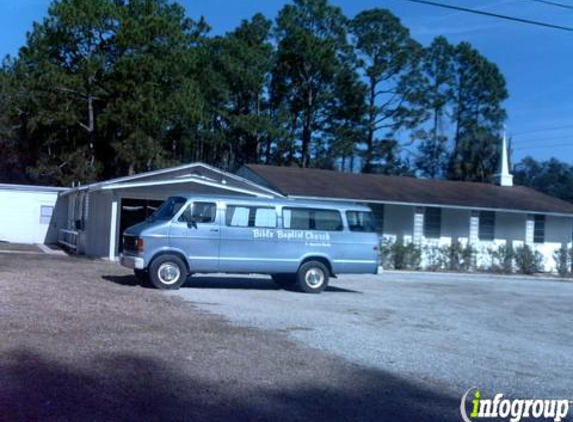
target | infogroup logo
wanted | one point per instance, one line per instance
(474, 407)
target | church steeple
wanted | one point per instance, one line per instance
(504, 177)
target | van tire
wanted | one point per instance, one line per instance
(312, 277)
(284, 280)
(167, 272)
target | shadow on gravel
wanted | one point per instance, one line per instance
(133, 388)
(123, 280)
(242, 283)
(246, 283)
(239, 283)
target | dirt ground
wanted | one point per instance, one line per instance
(79, 340)
(6, 246)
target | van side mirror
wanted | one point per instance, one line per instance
(192, 224)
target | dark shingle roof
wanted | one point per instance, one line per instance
(294, 181)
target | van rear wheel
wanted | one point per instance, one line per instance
(312, 277)
(284, 280)
(167, 272)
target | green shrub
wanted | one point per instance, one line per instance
(406, 257)
(502, 259)
(561, 257)
(460, 258)
(400, 256)
(527, 260)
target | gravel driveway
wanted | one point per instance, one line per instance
(447, 331)
(79, 341)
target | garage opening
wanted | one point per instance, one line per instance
(134, 211)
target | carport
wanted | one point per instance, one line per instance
(98, 213)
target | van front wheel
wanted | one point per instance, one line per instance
(312, 277)
(167, 272)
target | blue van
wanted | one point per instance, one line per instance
(300, 243)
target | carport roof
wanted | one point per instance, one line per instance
(199, 173)
(327, 184)
(32, 188)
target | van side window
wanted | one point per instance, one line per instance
(360, 221)
(266, 217)
(237, 216)
(311, 219)
(296, 218)
(244, 216)
(200, 212)
(204, 212)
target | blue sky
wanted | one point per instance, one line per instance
(537, 62)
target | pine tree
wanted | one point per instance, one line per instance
(311, 38)
(241, 61)
(389, 61)
(438, 71)
(478, 116)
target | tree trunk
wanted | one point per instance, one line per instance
(307, 130)
(369, 155)
(434, 166)
(268, 150)
(306, 137)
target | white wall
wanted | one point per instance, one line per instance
(398, 221)
(20, 219)
(455, 224)
(509, 227)
(557, 234)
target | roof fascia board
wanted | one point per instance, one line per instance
(29, 188)
(121, 180)
(98, 185)
(419, 204)
(180, 181)
(147, 174)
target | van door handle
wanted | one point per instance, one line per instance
(214, 230)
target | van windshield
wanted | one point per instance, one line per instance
(168, 209)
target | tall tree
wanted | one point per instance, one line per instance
(439, 78)
(99, 79)
(480, 90)
(59, 77)
(388, 58)
(152, 85)
(552, 177)
(242, 61)
(311, 37)
(345, 124)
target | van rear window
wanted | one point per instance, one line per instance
(311, 219)
(245, 216)
(360, 221)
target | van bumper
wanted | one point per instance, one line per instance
(133, 262)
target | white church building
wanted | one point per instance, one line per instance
(432, 213)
